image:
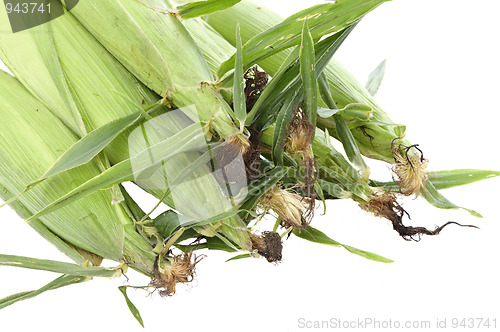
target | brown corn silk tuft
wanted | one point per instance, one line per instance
(299, 144)
(289, 206)
(180, 269)
(409, 167)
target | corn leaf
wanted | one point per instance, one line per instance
(239, 102)
(322, 19)
(348, 142)
(459, 177)
(201, 8)
(225, 215)
(321, 194)
(333, 190)
(133, 309)
(212, 243)
(447, 179)
(375, 78)
(85, 149)
(137, 212)
(311, 234)
(57, 267)
(62, 281)
(285, 115)
(438, 200)
(124, 171)
(356, 111)
(308, 75)
(234, 258)
(166, 223)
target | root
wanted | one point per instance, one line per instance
(409, 169)
(179, 269)
(268, 245)
(252, 157)
(385, 206)
(255, 82)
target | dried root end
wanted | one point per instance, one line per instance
(385, 206)
(409, 168)
(179, 269)
(289, 206)
(255, 82)
(268, 245)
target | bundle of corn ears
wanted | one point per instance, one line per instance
(220, 109)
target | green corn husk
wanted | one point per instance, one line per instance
(103, 91)
(154, 46)
(31, 139)
(344, 87)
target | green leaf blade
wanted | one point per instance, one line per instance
(435, 198)
(239, 102)
(283, 119)
(133, 309)
(308, 74)
(85, 149)
(459, 177)
(57, 267)
(62, 281)
(345, 135)
(375, 78)
(129, 169)
(311, 234)
(202, 8)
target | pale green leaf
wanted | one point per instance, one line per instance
(239, 102)
(311, 234)
(308, 74)
(124, 171)
(62, 281)
(201, 8)
(438, 200)
(85, 149)
(58, 267)
(133, 309)
(375, 78)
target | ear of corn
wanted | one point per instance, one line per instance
(103, 91)
(31, 140)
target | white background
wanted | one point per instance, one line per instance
(442, 80)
